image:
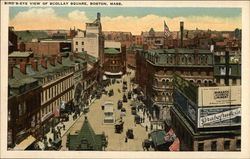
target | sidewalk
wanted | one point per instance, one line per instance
(68, 125)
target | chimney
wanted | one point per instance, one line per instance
(59, 59)
(181, 30)
(10, 71)
(23, 67)
(227, 68)
(52, 60)
(44, 63)
(34, 65)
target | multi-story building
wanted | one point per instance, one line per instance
(124, 37)
(206, 118)
(12, 40)
(131, 55)
(137, 39)
(91, 40)
(154, 39)
(16, 57)
(155, 70)
(114, 59)
(227, 68)
(37, 88)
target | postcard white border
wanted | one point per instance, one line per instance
(126, 154)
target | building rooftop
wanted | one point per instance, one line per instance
(111, 51)
(20, 54)
(86, 139)
(27, 36)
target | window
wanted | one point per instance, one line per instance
(82, 43)
(213, 146)
(76, 49)
(226, 145)
(238, 144)
(201, 147)
(76, 42)
(82, 49)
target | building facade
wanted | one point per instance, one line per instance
(155, 70)
(206, 118)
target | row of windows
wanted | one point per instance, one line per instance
(56, 76)
(22, 108)
(56, 89)
(66, 97)
(77, 43)
(79, 49)
(226, 145)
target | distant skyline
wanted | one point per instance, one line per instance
(133, 19)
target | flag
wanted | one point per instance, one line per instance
(56, 110)
(167, 33)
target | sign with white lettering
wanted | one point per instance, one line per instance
(219, 116)
(219, 96)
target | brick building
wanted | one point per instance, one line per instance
(16, 57)
(131, 55)
(114, 59)
(206, 118)
(124, 37)
(155, 70)
(36, 89)
(12, 40)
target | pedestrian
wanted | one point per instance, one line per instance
(149, 118)
(146, 128)
(143, 119)
(63, 127)
(151, 127)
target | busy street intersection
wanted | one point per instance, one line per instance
(116, 141)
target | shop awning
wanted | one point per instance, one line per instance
(113, 74)
(25, 143)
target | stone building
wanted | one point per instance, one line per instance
(155, 70)
(114, 59)
(125, 38)
(206, 118)
(154, 39)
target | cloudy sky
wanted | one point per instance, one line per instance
(133, 19)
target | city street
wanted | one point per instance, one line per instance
(116, 141)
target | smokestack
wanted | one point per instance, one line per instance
(181, 30)
(23, 67)
(44, 63)
(34, 65)
(227, 68)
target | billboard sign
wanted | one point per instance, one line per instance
(185, 105)
(219, 116)
(219, 96)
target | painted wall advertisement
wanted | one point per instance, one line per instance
(219, 116)
(219, 96)
(185, 105)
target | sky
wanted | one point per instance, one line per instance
(131, 19)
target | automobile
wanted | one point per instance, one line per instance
(119, 126)
(130, 134)
(111, 92)
(119, 104)
(137, 119)
(133, 110)
(123, 110)
(129, 95)
(125, 98)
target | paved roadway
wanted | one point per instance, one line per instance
(116, 142)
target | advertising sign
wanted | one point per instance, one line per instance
(219, 116)
(219, 96)
(185, 105)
